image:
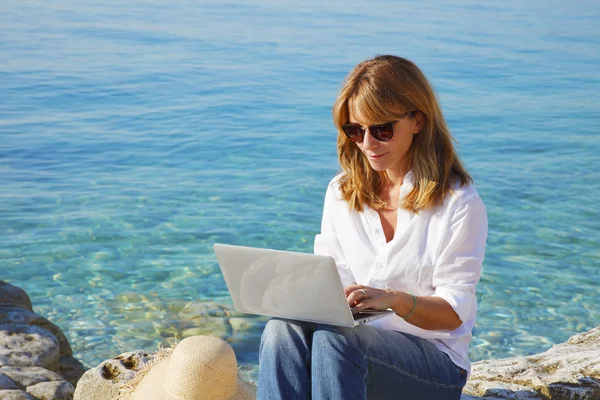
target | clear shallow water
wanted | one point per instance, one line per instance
(133, 137)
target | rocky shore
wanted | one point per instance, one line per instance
(36, 362)
(569, 370)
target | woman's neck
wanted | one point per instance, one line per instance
(395, 175)
(393, 180)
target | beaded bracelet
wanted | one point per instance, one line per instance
(414, 307)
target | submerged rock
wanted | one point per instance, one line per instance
(569, 370)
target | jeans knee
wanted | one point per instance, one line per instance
(333, 338)
(274, 331)
(335, 351)
(277, 328)
(274, 326)
(281, 333)
(283, 341)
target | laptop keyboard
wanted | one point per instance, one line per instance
(368, 313)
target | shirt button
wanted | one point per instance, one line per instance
(378, 265)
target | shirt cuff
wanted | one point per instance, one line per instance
(461, 301)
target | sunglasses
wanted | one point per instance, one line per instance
(381, 132)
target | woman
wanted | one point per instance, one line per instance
(408, 232)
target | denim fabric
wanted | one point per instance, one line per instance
(303, 360)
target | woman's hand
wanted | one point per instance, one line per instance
(430, 312)
(361, 297)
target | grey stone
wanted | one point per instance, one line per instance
(28, 376)
(6, 382)
(103, 382)
(501, 390)
(71, 369)
(15, 315)
(12, 296)
(61, 390)
(569, 370)
(15, 395)
(24, 345)
(36, 360)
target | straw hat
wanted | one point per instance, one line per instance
(200, 367)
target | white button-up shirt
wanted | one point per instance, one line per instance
(437, 252)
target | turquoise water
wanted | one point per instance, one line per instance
(135, 136)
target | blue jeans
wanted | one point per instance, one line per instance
(303, 360)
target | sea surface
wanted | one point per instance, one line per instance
(134, 135)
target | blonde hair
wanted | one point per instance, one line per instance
(382, 89)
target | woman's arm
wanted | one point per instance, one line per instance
(455, 275)
(432, 313)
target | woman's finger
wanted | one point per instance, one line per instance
(363, 305)
(357, 308)
(375, 303)
(352, 288)
(356, 296)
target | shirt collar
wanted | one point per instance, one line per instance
(408, 178)
(407, 185)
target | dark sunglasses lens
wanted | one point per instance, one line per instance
(383, 132)
(354, 132)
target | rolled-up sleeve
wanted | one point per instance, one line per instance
(459, 264)
(327, 243)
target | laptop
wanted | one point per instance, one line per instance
(286, 284)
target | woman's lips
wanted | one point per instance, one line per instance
(376, 157)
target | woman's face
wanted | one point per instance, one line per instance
(387, 156)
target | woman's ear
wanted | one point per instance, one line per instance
(419, 119)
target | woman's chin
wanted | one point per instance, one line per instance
(377, 166)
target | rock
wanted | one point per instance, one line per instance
(200, 310)
(500, 390)
(202, 318)
(71, 369)
(15, 395)
(28, 376)
(25, 345)
(36, 360)
(6, 382)
(57, 390)
(239, 324)
(12, 296)
(569, 370)
(104, 381)
(15, 315)
(211, 326)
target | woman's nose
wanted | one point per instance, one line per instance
(369, 142)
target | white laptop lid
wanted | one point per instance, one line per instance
(284, 284)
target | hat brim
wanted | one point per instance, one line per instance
(244, 391)
(151, 386)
